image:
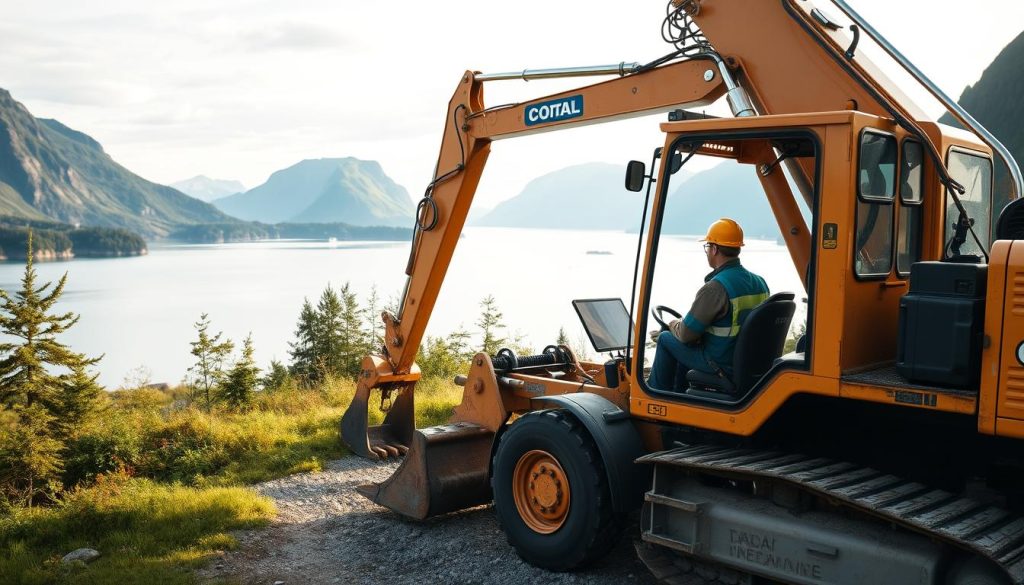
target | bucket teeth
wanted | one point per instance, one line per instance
(446, 469)
(389, 439)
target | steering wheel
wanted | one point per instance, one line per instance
(658, 310)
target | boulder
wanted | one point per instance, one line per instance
(85, 555)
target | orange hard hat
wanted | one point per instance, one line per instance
(725, 232)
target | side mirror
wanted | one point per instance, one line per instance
(636, 172)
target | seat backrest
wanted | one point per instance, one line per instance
(761, 340)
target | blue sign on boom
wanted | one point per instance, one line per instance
(554, 111)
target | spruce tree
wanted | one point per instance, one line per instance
(45, 389)
(563, 338)
(210, 353)
(374, 327)
(277, 377)
(78, 399)
(489, 323)
(35, 366)
(353, 337)
(31, 458)
(240, 384)
(458, 345)
(332, 338)
(305, 362)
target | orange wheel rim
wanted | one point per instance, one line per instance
(541, 491)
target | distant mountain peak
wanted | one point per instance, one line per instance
(206, 189)
(323, 190)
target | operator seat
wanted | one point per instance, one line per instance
(760, 342)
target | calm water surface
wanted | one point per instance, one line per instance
(139, 312)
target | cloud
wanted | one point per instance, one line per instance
(294, 36)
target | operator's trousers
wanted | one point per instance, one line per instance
(672, 360)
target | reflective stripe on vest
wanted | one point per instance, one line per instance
(746, 291)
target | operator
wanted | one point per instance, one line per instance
(705, 337)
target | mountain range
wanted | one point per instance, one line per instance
(349, 190)
(206, 189)
(588, 196)
(593, 196)
(50, 171)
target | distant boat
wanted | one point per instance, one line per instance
(332, 242)
(599, 252)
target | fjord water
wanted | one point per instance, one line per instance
(140, 311)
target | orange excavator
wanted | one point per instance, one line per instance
(887, 447)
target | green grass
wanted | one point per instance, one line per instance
(147, 533)
(162, 482)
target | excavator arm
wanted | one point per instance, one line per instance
(441, 215)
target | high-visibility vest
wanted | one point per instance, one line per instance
(746, 290)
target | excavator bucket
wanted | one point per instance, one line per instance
(445, 469)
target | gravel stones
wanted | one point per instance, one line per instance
(325, 532)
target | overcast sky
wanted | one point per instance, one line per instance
(237, 89)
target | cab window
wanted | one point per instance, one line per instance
(911, 188)
(974, 172)
(876, 188)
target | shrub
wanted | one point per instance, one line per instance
(115, 444)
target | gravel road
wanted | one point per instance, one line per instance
(325, 532)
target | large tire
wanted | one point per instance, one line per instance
(551, 492)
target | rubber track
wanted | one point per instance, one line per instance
(992, 532)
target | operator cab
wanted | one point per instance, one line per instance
(873, 226)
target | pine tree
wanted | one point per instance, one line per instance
(78, 399)
(303, 350)
(563, 338)
(210, 353)
(31, 458)
(352, 335)
(489, 323)
(332, 339)
(374, 326)
(277, 377)
(458, 344)
(34, 368)
(240, 384)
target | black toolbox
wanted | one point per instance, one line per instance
(941, 324)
